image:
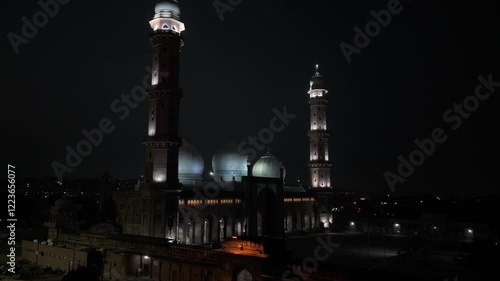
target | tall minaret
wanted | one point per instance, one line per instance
(163, 141)
(319, 164)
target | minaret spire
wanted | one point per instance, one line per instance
(163, 140)
(319, 159)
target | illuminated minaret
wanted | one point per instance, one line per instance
(163, 141)
(319, 164)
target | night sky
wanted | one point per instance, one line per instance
(260, 57)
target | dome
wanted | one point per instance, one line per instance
(190, 162)
(228, 162)
(64, 203)
(168, 9)
(268, 166)
(317, 81)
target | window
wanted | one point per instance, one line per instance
(174, 28)
(164, 26)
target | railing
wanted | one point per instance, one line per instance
(151, 247)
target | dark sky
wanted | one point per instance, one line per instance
(234, 72)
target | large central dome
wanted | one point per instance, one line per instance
(190, 164)
(228, 162)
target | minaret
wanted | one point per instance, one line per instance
(163, 141)
(319, 159)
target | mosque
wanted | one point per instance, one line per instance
(240, 198)
(178, 225)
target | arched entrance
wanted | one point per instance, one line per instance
(266, 214)
(244, 275)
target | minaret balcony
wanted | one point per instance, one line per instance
(163, 139)
(318, 134)
(319, 164)
(318, 101)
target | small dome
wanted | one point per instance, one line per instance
(317, 81)
(228, 162)
(64, 203)
(190, 162)
(167, 9)
(268, 166)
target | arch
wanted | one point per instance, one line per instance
(289, 222)
(174, 28)
(181, 238)
(206, 230)
(313, 220)
(228, 230)
(244, 275)
(222, 228)
(259, 224)
(307, 221)
(299, 221)
(266, 212)
(164, 26)
(238, 229)
(189, 233)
